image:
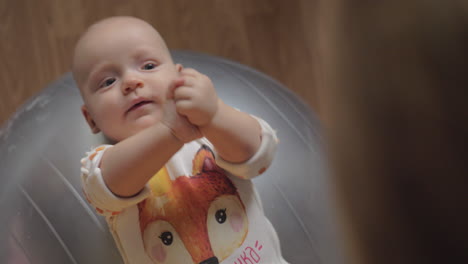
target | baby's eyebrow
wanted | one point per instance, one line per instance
(94, 74)
(142, 52)
(97, 69)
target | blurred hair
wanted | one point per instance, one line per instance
(394, 104)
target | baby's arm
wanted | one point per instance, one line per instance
(235, 135)
(127, 167)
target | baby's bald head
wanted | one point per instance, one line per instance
(106, 34)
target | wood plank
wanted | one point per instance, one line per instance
(272, 36)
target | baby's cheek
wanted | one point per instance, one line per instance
(236, 222)
(158, 252)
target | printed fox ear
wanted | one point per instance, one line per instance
(204, 160)
(160, 183)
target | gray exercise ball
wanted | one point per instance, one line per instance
(45, 218)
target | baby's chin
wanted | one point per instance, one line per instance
(144, 122)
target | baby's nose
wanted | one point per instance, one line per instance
(132, 84)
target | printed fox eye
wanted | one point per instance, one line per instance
(148, 66)
(227, 229)
(164, 245)
(107, 82)
(221, 215)
(166, 238)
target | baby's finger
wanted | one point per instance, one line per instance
(177, 82)
(184, 107)
(183, 93)
(190, 81)
(190, 72)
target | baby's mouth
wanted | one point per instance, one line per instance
(138, 105)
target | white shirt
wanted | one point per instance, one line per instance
(198, 207)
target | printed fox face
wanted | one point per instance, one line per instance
(197, 219)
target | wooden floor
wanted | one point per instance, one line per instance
(274, 36)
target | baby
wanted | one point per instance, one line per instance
(175, 186)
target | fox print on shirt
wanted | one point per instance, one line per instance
(198, 218)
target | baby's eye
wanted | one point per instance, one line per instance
(107, 82)
(148, 66)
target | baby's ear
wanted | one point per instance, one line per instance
(89, 120)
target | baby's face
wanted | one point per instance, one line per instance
(124, 70)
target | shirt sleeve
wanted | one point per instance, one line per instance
(260, 161)
(95, 189)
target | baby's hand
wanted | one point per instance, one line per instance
(196, 98)
(180, 126)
